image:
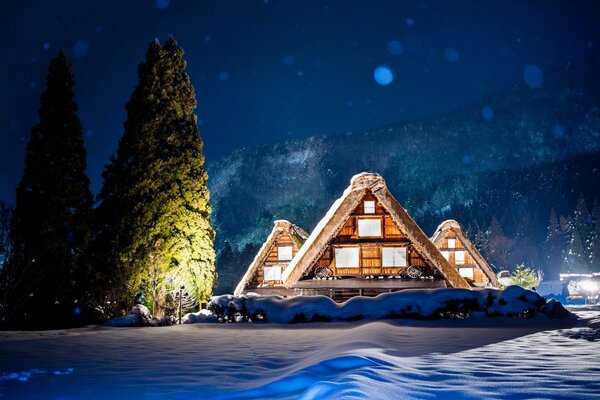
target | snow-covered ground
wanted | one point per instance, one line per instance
(498, 358)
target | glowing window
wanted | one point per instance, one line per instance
(466, 272)
(369, 207)
(446, 254)
(369, 227)
(451, 243)
(347, 257)
(459, 257)
(272, 273)
(284, 253)
(394, 257)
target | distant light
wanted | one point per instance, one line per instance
(533, 75)
(589, 286)
(487, 113)
(451, 54)
(223, 76)
(46, 46)
(288, 60)
(466, 159)
(77, 310)
(81, 48)
(410, 21)
(207, 38)
(395, 47)
(300, 73)
(162, 4)
(383, 75)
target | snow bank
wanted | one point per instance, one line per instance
(513, 301)
(139, 316)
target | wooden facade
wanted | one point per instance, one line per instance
(264, 273)
(460, 252)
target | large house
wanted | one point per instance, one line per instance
(366, 244)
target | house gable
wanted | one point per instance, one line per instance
(397, 225)
(452, 242)
(277, 251)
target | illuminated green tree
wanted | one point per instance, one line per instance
(154, 229)
(525, 277)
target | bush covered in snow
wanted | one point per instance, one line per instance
(139, 316)
(513, 301)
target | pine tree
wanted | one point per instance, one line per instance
(524, 277)
(46, 276)
(594, 253)
(576, 256)
(155, 233)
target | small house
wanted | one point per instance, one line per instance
(367, 244)
(264, 273)
(460, 252)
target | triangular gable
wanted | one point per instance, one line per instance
(341, 210)
(441, 233)
(296, 234)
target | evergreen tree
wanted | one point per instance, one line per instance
(6, 213)
(576, 256)
(554, 246)
(525, 277)
(594, 247)
(46, 277)
(155, 233)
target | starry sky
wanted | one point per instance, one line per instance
(266, 71)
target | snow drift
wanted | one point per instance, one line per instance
(513, 301)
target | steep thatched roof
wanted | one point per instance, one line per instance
(482, 264)
(339, 212)
(298, 236)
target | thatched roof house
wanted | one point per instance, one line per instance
(456, 247)
(277, 251)
(365, 234)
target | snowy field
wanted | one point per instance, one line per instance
(498, 358)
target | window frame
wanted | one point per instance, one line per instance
(371, 207)
(453, 241)
(339, 250)
(358, 224)
(462, 261)
(269, 268)
(394, 250)
(291, 253)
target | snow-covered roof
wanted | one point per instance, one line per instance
(481, 263)
(335, 218)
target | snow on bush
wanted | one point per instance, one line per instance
(513, 301)
(139, 316)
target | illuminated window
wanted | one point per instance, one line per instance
(272, 273)
(446, 254)
(466, 272)
(369, 227)
(394, 257)
(459, 257)
(284, 253)
(369, 207)
(347, 257)
(451, 243)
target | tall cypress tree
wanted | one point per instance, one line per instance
(45, 279)
(156, 234)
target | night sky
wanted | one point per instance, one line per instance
(266, 71)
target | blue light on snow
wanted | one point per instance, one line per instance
(533, 75)
(395, 47)
(451, 54)
(162, 4)
(383, 75)
(223, 76)
(81, 48)
(487, 113)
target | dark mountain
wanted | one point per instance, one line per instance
(520, 152)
